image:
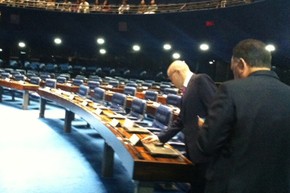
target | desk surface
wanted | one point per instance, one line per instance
(138, 162)
(19, 85)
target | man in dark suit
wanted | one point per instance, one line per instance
(247, 129)
(199, 90)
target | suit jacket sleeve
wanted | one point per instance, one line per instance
(171, 131)
(218, 125)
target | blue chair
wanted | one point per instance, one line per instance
(93, 84)
(114, 83)
(99, 95)
(132, 84)
(174, 100)
(83, 91)
(170, 91)
(35, 80)
(5, 75)
(151, 95)
(50, 83)
(118, 102)
(44, 76)
(129, 90)
(77, 82)
(138, 109)
(162, 118)
(61, 79)
(19, 77)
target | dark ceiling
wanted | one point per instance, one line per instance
(267, 20)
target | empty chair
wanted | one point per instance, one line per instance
(93, 84)
(19, 77)
(138, 109)
(173, 99)
(77, 82)
(163, 86)
(44, 76)
(5, 75)
(35, 80)
(114, 83)
(132, 84)
(162, 118)
(83, 91)
(61, 79)
(118, 102)
(170, 91)
(98, 95)
(151, 95)
(50, 83)
(131, 91)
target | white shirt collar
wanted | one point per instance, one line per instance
(187, 79)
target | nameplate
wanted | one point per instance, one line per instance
(134, 139)
(99, 111)
(84, 103)
(115, 123)
(71, 97)
(128, 123)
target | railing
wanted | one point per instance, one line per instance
(126, 9)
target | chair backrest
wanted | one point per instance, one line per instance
(77, 82)
(61, 79)
(99, 95)
(44, 76)
(50, 82)
(132, 84)
(93, 84)
(138, 108)
(163, 117)
(114, 83)
(118, 100)
(163, 86)
(19, 77)
(35, 80)
(129, 90)
(170, 91)
(173, 99)
(83, 90)
(151, 95)
(6, 75)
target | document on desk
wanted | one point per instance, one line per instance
(131, 127)
(113, 115)
(160, 150)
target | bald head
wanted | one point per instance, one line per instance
(178, 69)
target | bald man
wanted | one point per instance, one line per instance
(199, 90)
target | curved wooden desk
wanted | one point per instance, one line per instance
(141, 166)
(18, 85)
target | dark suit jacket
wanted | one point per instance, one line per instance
(195, 101)
(248, 132)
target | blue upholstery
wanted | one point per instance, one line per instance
(151, 95)
(132, 84)
(50, 82)
(173, 99)
(118, 102)
(77, 82)
(138, 109)
(114, 83)
(83, 90)
(61, 79)
(19, 77)
(35, 80)
(162, 118)
(5, 75)
(44, 76)
(99, 95)
(93, 84)
(170, 91)
(129, 90)
(163, 86)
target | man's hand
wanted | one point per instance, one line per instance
(150, 139)
(200, 121)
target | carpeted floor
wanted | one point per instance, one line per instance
(38, 157)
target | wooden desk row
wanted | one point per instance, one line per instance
(141, 166)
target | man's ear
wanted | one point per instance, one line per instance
(243, 67)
